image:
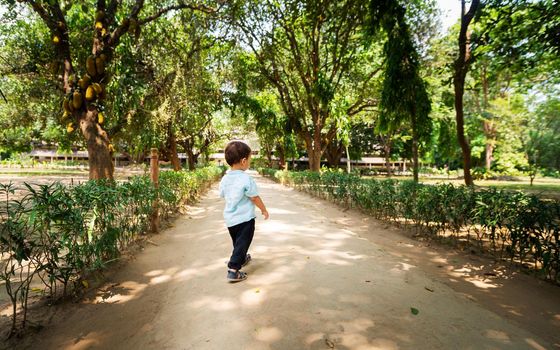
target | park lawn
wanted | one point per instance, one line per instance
(37, 172)
(42, 172)
(542, 187)
(548, 188)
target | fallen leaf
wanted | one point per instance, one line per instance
(329, 343)
(368, 281)
(429, 289)
(414, 311)
(257, 290)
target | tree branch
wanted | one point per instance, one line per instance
(3, 96)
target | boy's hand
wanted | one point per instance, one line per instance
(265, 214)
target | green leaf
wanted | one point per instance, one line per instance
(414, 311)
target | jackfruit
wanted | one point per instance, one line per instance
(69, 102)
(90, 93)
(99, 15)
(100, 118)
(56, 40)
(77, 100)
(97, 88)
(90, 66)
(70, 127)
(100, 65)
(84, 82)
(66, 105)
(98, 25)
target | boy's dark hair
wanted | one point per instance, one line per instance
(235, 151)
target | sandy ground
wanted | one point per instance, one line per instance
(321, 278)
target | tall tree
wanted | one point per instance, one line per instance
(304, 48)
(404, 99)
(462, 64)
(84, 96)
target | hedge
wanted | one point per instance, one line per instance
(61, 233)
(510, 225)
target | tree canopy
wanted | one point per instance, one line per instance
(318, 79)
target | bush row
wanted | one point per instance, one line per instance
(61, 233)
(511, 225)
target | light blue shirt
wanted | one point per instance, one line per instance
(236, 187)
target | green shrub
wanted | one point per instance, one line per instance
(59, 233)
(512, 225)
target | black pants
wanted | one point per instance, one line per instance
(241, 236)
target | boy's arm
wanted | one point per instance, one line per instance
(259, 203)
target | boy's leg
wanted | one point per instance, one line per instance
(242, 236)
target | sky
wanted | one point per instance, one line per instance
(451, 11)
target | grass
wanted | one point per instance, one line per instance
(43, 172)
(548, 188)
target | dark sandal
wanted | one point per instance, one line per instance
(236, 275)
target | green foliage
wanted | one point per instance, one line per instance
(511, 225)
(61, 234)
(543, 145)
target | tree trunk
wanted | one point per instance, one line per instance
(461, 68)
(488, 126)
(314, 159)
(387, 153)
(415, 166)
(281, 158)
(333, 153)
(173, 155)
(268, 151)
(191, 158)
(490, 135)
(100, 153)
(313, 152)
(348, 166)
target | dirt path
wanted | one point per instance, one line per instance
(321, 278)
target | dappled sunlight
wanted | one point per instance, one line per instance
(317, 280)
(404, 266)
(535, 345)
(253, 296)
(278, 275)
(278, 211)
(153, 273)
(482, 284)
(268, 334)
(85, 342)
(499, 336)
(214, 303)
(121, 293)
(511, 310)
